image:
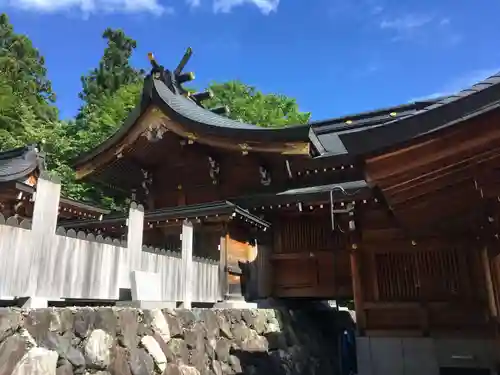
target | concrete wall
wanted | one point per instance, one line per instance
(110, 341)
(416, 356)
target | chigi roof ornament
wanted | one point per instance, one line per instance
(174, 80)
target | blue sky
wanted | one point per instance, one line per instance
(334, 56)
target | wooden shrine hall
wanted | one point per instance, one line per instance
(19, 172)
(396, 208)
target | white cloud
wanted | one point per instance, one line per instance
(444, 22)
(193, 3)
(90, 6)
(460, 83)
(265, 6)
(407, 23)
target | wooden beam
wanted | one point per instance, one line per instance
(437, 179)
(470, 139)
(489, 283)
(187, 237)
(357, 290)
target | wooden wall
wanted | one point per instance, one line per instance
(418, 286)
(309, 259)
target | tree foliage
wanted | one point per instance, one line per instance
(23, 70)
(109, 93)
(114, 70)
(249, 105)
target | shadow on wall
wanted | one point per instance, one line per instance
(300, 348)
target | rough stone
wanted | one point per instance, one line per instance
(222, 349)
(199, 360)
(216, 367)
(37, 323)
(174, 369)
(272, 326)
(225, 327)
(240, 332)
(65, 368)
(128, 327)
(255, 344)
(235, 363)
(177, 351)
(259, 323)
(233, 315)
(175, 325)
(226, 369)
(98, 349)
(160, 325)
(37, 361)
(211, 323)
(201, 342)
(119, 363)
(210, 345)
(106, 319)
(84, 322)
(276, 341)
(186, 317)
(9, 322)
(11, 351)
(62, 345)
(154, 349)
(66, 319)
(193, 337)
(141, 362)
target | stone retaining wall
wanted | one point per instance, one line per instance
(114, 341)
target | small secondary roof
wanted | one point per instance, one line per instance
(20, 163)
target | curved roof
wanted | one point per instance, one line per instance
(441, 114)
(162, 90)
(349, 136)
(19, 163)
(201, 120)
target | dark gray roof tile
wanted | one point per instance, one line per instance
(19, 163)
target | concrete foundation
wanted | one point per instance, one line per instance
(147, 305)
(418, 356)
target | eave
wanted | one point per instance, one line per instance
(20, 163)
(167, 111)
(223, 211)
(367, 140)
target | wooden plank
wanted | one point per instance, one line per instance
(43, 230)
(187, 263)
(357, 290)
(487, 158)
(471, 138)
(135, 226)
(442, 203)
(437, 179)
(489, 283)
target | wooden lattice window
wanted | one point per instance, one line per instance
(422, 275)
(307, 234)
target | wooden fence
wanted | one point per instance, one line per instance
(36, 260)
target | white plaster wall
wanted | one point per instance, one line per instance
(419, 356)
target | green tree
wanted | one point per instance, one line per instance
(23, 78)
(114, 69)
(104, 118)
(249, 105)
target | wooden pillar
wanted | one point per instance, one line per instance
(187, 263)
(357, 289)
(223, 277)
(489, 282)
(135, 228)
(43, 229)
